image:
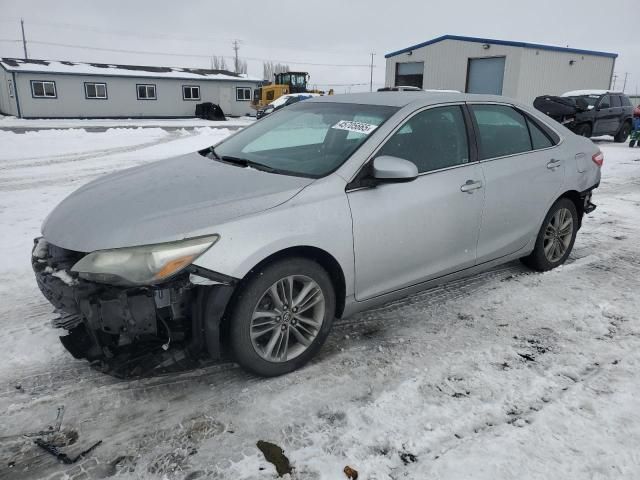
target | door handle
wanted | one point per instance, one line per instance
(470, 186)
(553, 164)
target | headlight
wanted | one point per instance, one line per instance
(144, 265)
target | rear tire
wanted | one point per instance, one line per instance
(556, 237)
(623, 134)
(282, 316)
(584, 130)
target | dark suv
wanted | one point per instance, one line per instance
(602, 113)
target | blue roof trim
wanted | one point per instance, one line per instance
(502, 42)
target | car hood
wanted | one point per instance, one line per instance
(164, 201)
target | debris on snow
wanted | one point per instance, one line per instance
(351, 473)
(275, 455)
(63, 457)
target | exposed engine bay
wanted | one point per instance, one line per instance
(124, 330)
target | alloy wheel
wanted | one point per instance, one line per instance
(557, 235)
(287, 318)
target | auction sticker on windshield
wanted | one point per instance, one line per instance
(352, 126)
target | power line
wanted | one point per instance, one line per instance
(91, 28)
(147, 52)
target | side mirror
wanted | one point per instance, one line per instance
(388, 169)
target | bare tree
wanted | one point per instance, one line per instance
(242, 66)
(269, 69)
(219, 63)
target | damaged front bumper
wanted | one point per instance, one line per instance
(105, 322)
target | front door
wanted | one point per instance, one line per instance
(407, 233)
(523, 172)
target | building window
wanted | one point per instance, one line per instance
(190, 92)
(243, 94)
(146, 92)
(43, 89)
(95, 91)
(12, 92)
(409, 74)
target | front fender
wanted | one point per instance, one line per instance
(319, 217)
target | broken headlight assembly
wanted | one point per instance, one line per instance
(143, 265)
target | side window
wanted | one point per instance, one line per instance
(433, 139)
(502, 131)
(243, 94)
(539, 139)
(191, 92)
(605, 102)
(625, 101)
(615, 101)
(146, 92)
(43, 89)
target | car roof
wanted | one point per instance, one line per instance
(402, 99)
(579, 93)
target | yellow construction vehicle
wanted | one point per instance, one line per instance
(284, 83)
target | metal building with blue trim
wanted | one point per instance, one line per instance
(518, 70)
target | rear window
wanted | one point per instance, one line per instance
(502, 131)
(539, 138)
(625, 101)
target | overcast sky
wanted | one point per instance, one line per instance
(338, 32)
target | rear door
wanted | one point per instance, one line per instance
(616, 113)
(407, 233)
(602, 122)
(524, 173)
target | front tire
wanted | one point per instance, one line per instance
(623, 134)
(282, 316)
(556, 237)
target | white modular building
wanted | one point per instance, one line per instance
(61, 89)
(515, 69)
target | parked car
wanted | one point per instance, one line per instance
(326, 208)
(283, 101)
(606, 113)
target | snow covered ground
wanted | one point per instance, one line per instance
(507, 374)
(100, 123)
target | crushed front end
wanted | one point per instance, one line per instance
(116, 327)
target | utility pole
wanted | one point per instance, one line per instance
(236, 47)
(24, 40)
(371, 73)
(615, 78)
(624, 86)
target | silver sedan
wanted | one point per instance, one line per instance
(334, 205)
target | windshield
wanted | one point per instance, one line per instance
(590, 99)
(306, 139)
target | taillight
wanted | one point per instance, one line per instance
(598, 159)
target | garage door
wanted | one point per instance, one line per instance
(409, 74)
(485, 75)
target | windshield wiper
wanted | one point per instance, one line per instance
(243, 162)
(212, 150)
